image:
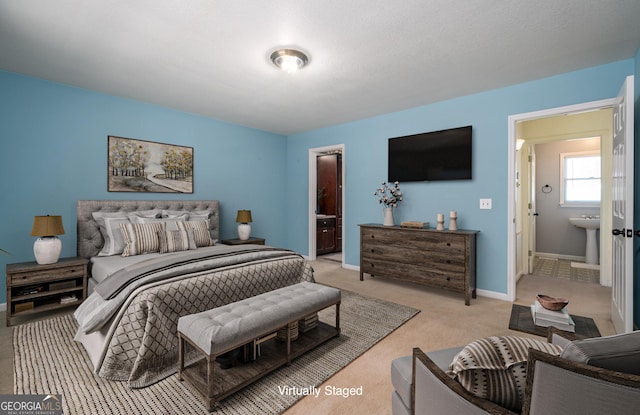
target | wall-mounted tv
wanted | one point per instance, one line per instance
(432, 156)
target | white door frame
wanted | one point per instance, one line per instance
(313, 195)
(511, 182)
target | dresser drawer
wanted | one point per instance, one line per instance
(433, 241)
(447, 261)
(419, 274)
(24, 278)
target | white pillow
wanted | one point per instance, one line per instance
(170, 223)
(196, 215)
(110, 230)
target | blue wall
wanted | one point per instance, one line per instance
(366, 162)
(54, 152)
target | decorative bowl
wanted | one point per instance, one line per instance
(552, 303)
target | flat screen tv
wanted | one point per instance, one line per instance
(432, 156)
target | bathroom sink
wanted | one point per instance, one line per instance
(587, 223)
(590, 225)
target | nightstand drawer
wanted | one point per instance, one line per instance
(24, 278)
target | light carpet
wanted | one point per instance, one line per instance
(47, 360)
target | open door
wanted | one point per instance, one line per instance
(531, 196)
(622, 210)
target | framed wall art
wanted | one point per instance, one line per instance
(147, 166)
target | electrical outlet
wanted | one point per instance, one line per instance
(485, 203)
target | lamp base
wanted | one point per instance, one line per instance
(244, 230)
(47, 249)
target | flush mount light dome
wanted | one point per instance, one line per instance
(289, 60)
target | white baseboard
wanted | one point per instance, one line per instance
(561, 256)
(351, 267)
(3, 307)
(584, 265)
(492, 294)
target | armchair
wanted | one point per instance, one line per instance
(581, 380)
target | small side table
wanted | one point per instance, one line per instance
(252, 240)
(34, 288)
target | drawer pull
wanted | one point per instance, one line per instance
(324, 231)
(448, 278)
(373, 250)
(448, 243)
(448, 261)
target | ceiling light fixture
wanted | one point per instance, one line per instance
(289, 60)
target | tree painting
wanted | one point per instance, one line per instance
(147, 166)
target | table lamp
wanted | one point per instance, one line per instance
(243, 219)
(47, 247)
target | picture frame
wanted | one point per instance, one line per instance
(135, 165)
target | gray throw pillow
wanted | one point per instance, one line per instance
(620, 352)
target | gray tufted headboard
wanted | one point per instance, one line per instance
(89, 238)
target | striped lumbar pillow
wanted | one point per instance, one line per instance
(200, 230)
(174, 241)
(141, 238)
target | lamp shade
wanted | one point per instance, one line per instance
(47, 226)
(244, 216)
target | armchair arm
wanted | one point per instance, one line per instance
(557, 385)
(452, 396)
(554, 333)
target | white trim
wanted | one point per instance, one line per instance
(313, 178)
(544, 255)
(493, 294)
(585, 266)
(3, 307)
(511, 182)
(351, 267)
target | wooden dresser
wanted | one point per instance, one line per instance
(442, 259)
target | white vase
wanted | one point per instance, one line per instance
(388, 217)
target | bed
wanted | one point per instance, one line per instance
(128, 323)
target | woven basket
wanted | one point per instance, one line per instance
(282, 333)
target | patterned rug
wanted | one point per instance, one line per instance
(560, 268)
(47, 360)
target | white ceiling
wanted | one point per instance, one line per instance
(368, 57)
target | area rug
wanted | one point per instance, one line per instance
(521, 320)
(47, 360)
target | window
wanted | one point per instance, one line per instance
(580, 178)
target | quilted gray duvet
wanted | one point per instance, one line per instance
(141, 344)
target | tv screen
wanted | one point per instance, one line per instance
(437, 155)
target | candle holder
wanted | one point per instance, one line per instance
(453, 224)
(440, 222)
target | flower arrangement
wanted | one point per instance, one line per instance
(389, 194)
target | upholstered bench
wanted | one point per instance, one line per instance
(253, 321)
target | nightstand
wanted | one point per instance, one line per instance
(252, 240)
(34, 288)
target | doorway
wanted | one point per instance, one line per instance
(518, 236)
(326, 203)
